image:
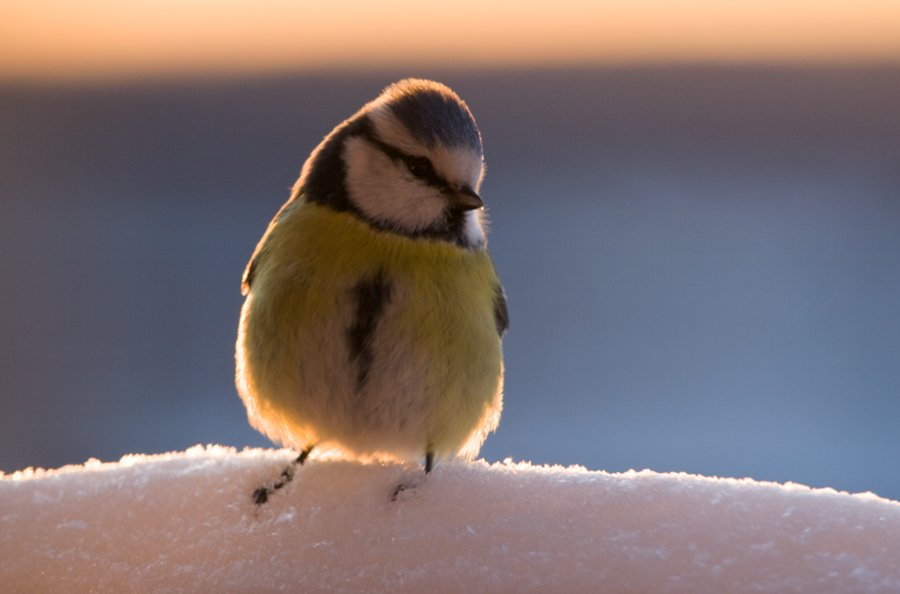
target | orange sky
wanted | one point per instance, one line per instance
(102, 38)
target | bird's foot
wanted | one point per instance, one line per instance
(400, 488)
(261, 495)
(429, 464)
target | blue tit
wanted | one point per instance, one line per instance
(373, 317)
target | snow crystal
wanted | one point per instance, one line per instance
(185, 522)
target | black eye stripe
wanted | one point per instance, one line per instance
(421, 167)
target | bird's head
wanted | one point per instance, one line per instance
(409, 162)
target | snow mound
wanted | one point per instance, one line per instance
(185, 522)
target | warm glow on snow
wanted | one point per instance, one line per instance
(185, 522)
(56, 38)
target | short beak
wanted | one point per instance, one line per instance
(465, 198)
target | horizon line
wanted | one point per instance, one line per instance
(212, 74)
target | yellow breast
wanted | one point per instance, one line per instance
(437, 366)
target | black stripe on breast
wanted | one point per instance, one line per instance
(501, 313)
(371, 296)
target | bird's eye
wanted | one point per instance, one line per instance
(420, 166)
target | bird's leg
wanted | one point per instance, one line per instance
(261, 495)
(429, 464)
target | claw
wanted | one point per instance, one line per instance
(261, 495)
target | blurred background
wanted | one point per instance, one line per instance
(696, 214)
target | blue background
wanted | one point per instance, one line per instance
(702, 263)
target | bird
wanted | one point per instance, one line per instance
(373, 318)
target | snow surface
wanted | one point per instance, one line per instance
(185, 522)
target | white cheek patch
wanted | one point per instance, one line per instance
(386, 192)
(474, 228)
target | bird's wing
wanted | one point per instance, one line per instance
(261, 248)
(247, 278)
(501, 313)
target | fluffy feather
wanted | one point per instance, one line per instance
(358, 222)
